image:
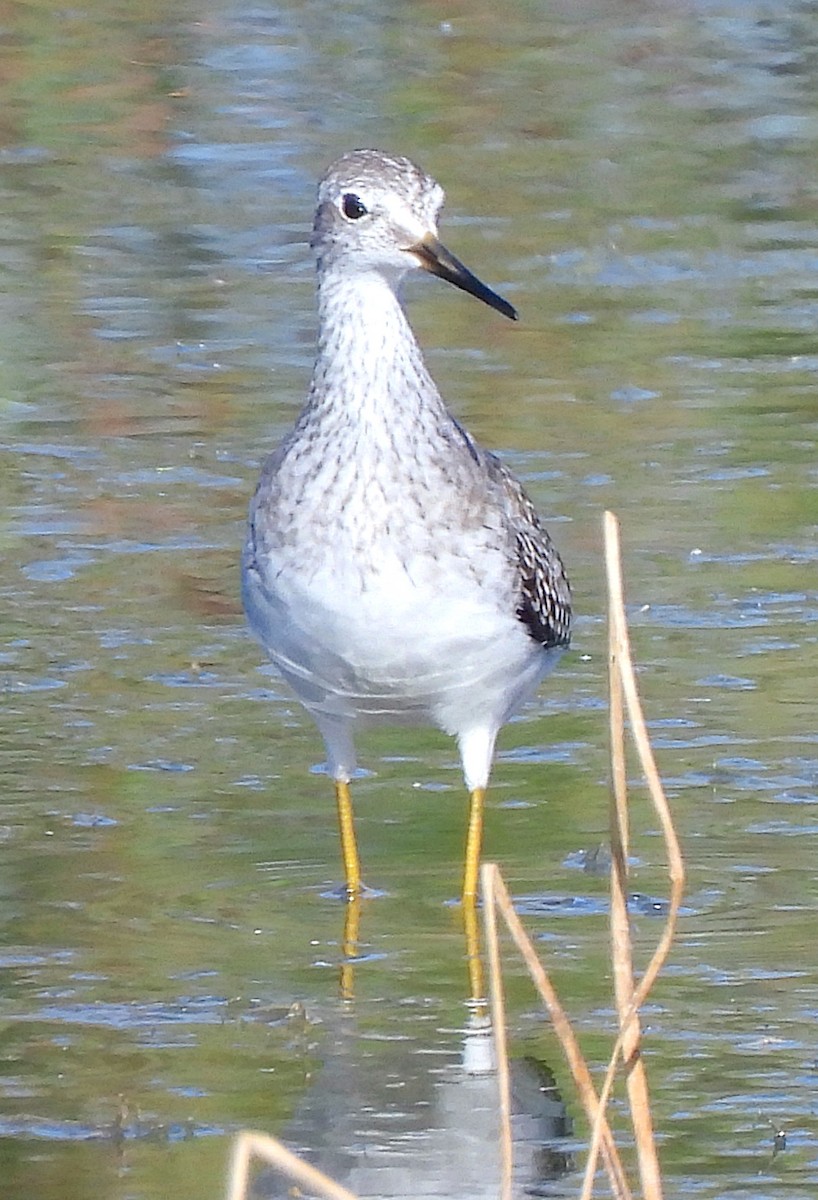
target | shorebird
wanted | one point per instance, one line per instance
(394, 570)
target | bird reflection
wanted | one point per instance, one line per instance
(390, 1117)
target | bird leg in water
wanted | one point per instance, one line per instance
(349, 947)
(474, 961)
(349, 845)
(474, 842)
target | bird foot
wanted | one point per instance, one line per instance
(342, 892)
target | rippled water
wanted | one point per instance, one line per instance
(639, 180)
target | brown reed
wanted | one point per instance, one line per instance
(623, 700)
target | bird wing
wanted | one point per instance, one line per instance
(544, 593)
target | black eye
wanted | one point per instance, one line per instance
(353, 207)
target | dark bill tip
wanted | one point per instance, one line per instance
(436, 259)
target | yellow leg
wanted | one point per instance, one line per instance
(477, 987)
(474, 844)
(349, 947)
(349, 846)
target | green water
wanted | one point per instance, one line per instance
(639, 181)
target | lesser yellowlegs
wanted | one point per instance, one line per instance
(394, 570)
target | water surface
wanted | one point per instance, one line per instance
(639, 181)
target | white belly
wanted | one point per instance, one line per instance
(441, 646)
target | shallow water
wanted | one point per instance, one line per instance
(639, 181)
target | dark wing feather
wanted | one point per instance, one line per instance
(544, 594)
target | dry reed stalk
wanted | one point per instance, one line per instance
(623, 697)
(618, 822)
(248, 1144)
(636, 1081)
(639, 733)
(562, 1027)
(622, 687)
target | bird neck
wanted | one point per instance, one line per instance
(368, 358)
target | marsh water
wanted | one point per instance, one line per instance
(640, 181)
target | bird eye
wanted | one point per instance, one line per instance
(353, 207)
